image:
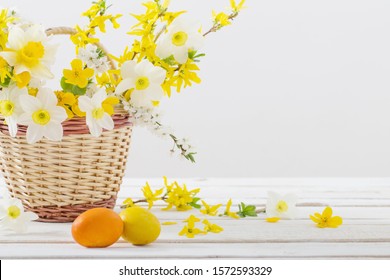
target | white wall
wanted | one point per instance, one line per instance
(293, 88)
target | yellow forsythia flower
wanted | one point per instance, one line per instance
(191, 220)
(180, 197)
(227, 211)
(237, 7)
(209, 227)
(78, 75)
(190, 230)
(272, 219)
(128, 202)
(22, 79)
(326, 219)
(151, 196)
(169, 223)
(210, 210)
(221, 18)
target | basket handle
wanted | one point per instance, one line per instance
(62, 30)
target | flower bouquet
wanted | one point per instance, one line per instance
(64, 151)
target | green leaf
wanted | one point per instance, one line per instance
(193, 55)
(170, 60)
(246, 210)
(190, 157)
(72, 88)
(6, 82)
(194, 203)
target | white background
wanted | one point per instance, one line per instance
(292, 89)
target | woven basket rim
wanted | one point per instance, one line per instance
(73, 126)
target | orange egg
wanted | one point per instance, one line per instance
(97, 228)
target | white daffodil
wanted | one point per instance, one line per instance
(181, 37)
(281, 206)
(145, 79)
(28, 51)
(96, 117)
(42, 116)
(13, 217)
(10, 107)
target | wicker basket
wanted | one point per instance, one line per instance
(60, 180)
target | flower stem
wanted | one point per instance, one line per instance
(261, 210)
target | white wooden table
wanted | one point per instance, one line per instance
(363, 204)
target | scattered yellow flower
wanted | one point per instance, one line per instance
(272, 219)
(169, 223)
(191, 220)
(210, 210)
(227, 211)
(325, 219)
(190, 232)
(209, 227)
(151, 196)
(78, 75)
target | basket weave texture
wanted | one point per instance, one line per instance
(60, 180)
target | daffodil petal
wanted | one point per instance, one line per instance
(34, 133)
(29, 103)
(58, 114)
(47, 97)
(181, 54)
(85, 104)
(53, 131)
(106, 122)
(124, 85)
(128, 69)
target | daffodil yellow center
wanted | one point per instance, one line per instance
(179, 38)
(13, 212)
(98, 113)
(142, 83)
(41, 117)
(7, 108)
(282, 206)
(31, 53)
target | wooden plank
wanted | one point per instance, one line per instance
(244, 230)
(320, 183)
(199, 250)
(301, 202)
(210, 191)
